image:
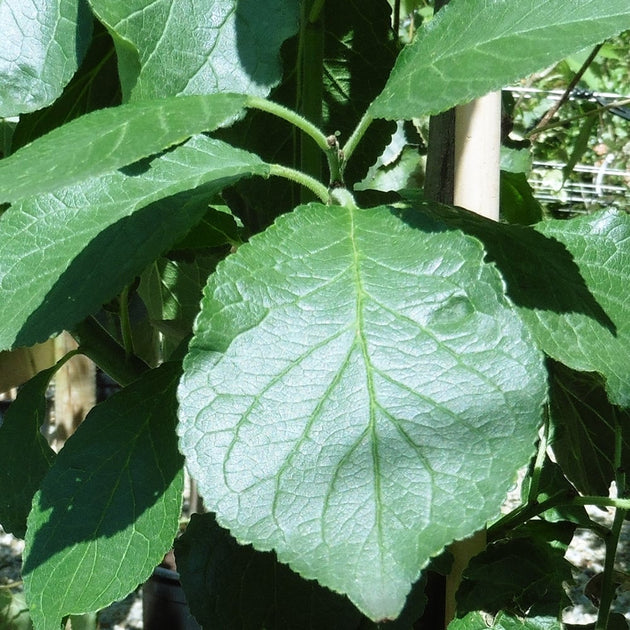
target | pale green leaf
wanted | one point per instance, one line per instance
(108, 139)
(472, 47)
(41, 47)
(25, 456)
(57, 250)
(358, 393)
(109, 508)
(200, 47)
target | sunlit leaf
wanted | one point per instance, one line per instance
(358, 393)
(472, 47)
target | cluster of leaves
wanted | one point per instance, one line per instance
(364, 377)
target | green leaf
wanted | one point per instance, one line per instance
(358, 367)
(25, 456)
(491, 584)
(600, 246)
(41, 48)
(105, 140)
(359, 52)
(94, 86)
(171, 291)
(109, 508)
(584, 425)
(569, 280)
(203, 47)
(518, 204)
(504, 621)
(472, 47)
(56, 251)
(228, 585)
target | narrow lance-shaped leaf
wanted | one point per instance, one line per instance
(56, 251)
(41, 47)
(474, 46)
(358, 393)
(107, 139)
(25, 456)
(200, 47)
(109, 508)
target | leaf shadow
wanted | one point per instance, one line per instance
(540, 273)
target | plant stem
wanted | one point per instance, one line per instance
(612, 541)
(540, 460)
(97, 344)
(256, 102)
(594, 112)
(125, 323)
(310, 85)
(565, 97)
(348, 149)
(301, 178)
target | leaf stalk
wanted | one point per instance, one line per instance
(303, 179)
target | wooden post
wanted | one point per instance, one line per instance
(476, 188)
(75, 392)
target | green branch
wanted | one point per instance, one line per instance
(301, 178)
(262, 104)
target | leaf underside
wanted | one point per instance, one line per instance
(358, 394)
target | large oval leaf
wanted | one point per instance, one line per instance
(474, 46)
(200, 47)
(41, 47)
(358, 393)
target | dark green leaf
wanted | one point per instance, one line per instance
(518, 204)
(569, 280)
(103, 141)
(57, 250)
(41, 47)
(228, 585)
(25, 456)
(472, 47)
(359, 52)
(171, 291)
(109, 508)
(334, 357)
(204, 47)
(580, 144)
(491, 583)
(218, 227)
(553, 482)
(584, 430)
